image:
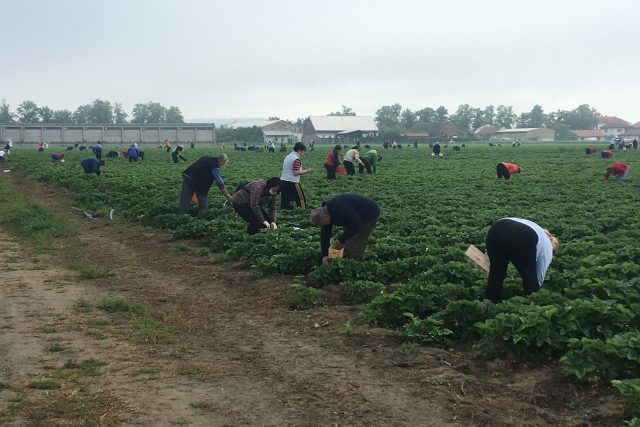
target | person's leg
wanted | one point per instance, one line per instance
(286, 195)
(624, 175)
(349, 167)
(203, 200)
(367, 165)
(245, 212)
(331, 171)
(496, 241)
(301, 201)
(356, 245)
(361, 167)
(523, 257)
(185, 197)
(502, 171)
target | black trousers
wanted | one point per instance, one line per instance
(253, 224)
(331, 171)
(367, 166)
(291, 192)
(349, 167)
(513, 241)
(502, 171)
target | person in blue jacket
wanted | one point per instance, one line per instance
(357, 214)
(133, 154)
(92, 165)
(97, 149)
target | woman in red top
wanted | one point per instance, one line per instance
(505, 169)
(617, 169)
(332, 162)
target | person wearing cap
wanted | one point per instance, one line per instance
(92, 165)
(97, 150)
(524, 243)
(357, 214)
(370, 160)
(176, 154)
(133, 152)
(618, 169)
(199, 177)
(353, 154)
(332, 161)
(249, 199)
(292, 170)
(505, 170)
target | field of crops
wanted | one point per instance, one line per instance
(414, 276)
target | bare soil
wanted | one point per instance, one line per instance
(215, 347)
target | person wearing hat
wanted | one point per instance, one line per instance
(332, 161)
(618, 169)
(92, 165)
(357, 214)
(176, 154)
(505, 170)
(199, 177)
(292, 170)
(524, 243)
(249, 200)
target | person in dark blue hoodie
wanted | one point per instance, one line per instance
(133, 153)
(97, 149)
(92, 165)
(357, 214)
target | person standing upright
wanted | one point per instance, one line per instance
(97, 149)
(332, 161)
(292, 170)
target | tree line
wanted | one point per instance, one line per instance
(99, 111)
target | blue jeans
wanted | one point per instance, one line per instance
(187, 193)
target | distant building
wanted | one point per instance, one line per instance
(156, 133)
(636, 125)
(615, 129)
(332, 128)
(590, 134)
(486, 132)
(611, 120)
(632, 133)
(526, 134)
(435, 130)
(282, 131)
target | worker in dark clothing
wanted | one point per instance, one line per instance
(59, 156)
(249, 200)
(92, 165)
(113, 154)
(176, 154)
(97, 150)
(133, 154)
(357, 214)
(527, 245)
(198, 179)
(436, 149)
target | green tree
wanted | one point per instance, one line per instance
(82, 114)
(46, 115)
(563, 132)
(489, 115)
(101, 112)
(537, 117)
(6, 116)
(442, 115)
(463, 117)
(505, 116)
(119, 115)
(582, 117)
(408, 118)
(28, 112)
(173, 115)
(427, 115)
(62, 116)
(388, 116)
(346, 111)
(523, 120)
(151, 112)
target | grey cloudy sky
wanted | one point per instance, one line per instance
(297, 58)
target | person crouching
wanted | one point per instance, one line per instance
(505, 170)
(250, 199)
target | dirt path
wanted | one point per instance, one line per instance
(212, 345)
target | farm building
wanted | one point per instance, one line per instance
(282, 131)
(615, 129)
(486, 132)
(424, 130)
(590, 134)
(632, 133)
(33, 133)
(324, 128)
(526, 134)
(611, 120)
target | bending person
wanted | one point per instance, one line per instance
(618, 169)
(505, 170)
(198, 178)
(249, 200)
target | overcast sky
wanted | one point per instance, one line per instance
(297, 58)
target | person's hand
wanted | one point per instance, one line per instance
(309, 170)
(325, 259)
(274, 226)
(228, 197)
(266, 224)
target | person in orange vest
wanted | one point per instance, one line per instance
(505, 169)
(617, 169)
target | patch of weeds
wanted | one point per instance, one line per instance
(181, 247)
(93, 272)
(98, 322)
(120, 305)
(347, 328)
(85, 368)
(48, 384)
(148, 370)
(200, 405)
(54, 348)
(409, 348)
(3, 385)
(202, 252)
(301, 297)
(154, 331)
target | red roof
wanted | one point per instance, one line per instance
(636, 125)
(610, 120)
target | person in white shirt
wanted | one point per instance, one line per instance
(292, 170)
(2, 156)
(527, 245)
(352, 155)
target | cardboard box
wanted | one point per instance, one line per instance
(478, 259)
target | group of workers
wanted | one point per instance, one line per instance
(368, 161)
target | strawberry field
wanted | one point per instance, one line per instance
(414, 277)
